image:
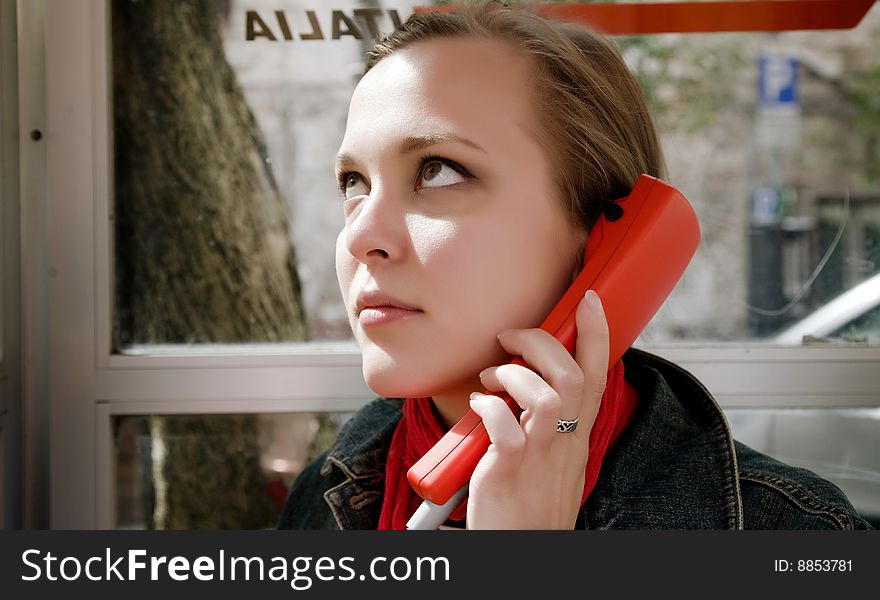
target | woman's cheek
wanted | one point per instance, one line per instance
(345, 271)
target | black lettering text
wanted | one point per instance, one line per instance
(256, 27)
(395, 18)
(369, 16)
(339, 18)
(316, 33)
(282, 23)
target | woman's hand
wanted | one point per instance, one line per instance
(532, 477)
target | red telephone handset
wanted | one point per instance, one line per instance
(635, 255)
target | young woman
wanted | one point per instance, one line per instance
(480, 146)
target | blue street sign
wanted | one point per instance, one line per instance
(777, 80)
(766, 206)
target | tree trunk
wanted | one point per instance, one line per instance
(203, 252)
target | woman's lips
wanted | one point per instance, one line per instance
(372, 316)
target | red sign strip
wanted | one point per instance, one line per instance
(704, 17)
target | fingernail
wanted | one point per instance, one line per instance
(593, 301)
(486, 371)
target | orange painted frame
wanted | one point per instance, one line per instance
(706, 17)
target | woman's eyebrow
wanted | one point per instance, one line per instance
(412, 143)
(420, 142)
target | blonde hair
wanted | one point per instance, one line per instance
(596, 126)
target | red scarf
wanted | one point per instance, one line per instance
(419, 430)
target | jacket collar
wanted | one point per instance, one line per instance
(674, 467)
(359, 453)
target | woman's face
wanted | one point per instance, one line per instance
(454, 229)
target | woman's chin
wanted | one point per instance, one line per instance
(394, 383)
(405, 376)
(420, 374)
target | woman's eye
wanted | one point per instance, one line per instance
(353, 185)
(437, 173)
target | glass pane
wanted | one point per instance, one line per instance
(841, 445)
(763, 133)
(864, 328)
(227, 117)
(213, 471)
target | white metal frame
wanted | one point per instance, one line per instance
(34, 262)
(10, 331)
(71, 278)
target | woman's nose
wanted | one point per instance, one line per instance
(377, 231)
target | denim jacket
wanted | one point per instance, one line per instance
(675, 467)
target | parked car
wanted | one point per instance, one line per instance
(853, 316)
(842, 444)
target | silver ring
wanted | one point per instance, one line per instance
(563, 426)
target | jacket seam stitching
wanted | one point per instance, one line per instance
(352, 476)
(695, 385)
(799, 496)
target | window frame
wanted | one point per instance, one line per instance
(88, 386)
(10, 308)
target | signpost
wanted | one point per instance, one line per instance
(777, 132)
(778, 123)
